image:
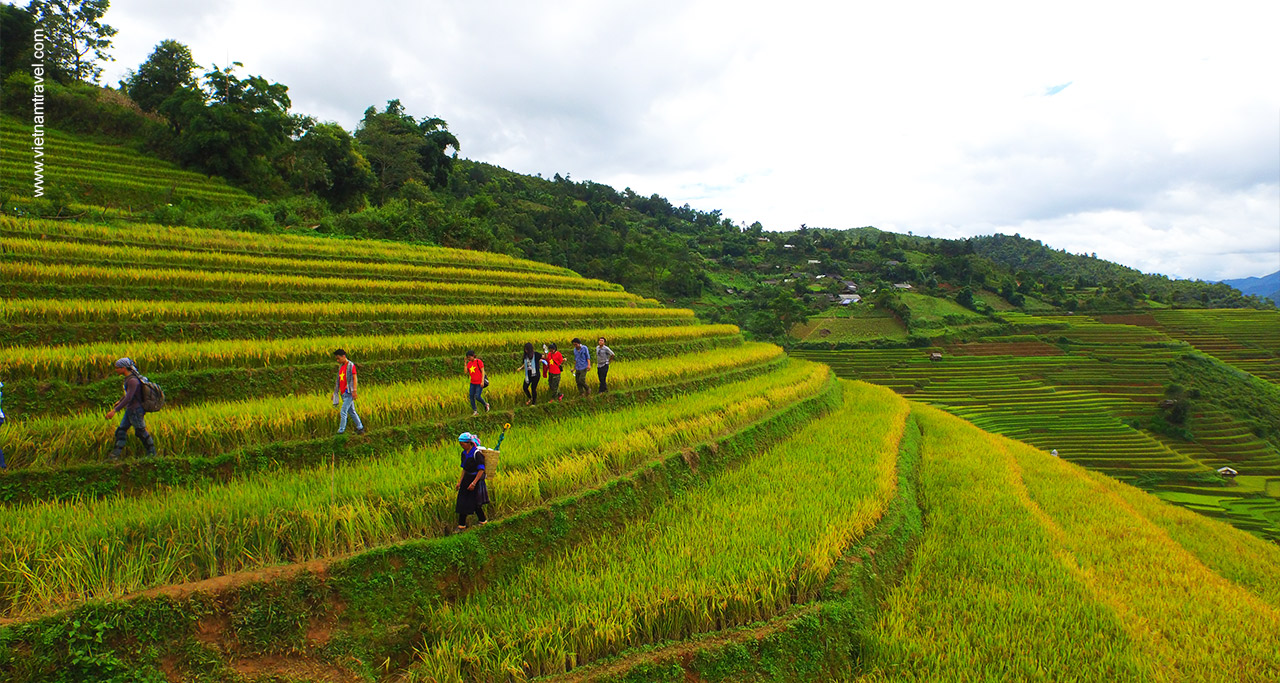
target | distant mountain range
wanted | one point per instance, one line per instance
(1267, 285)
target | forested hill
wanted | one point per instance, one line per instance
(399, 176)
(1020, 253)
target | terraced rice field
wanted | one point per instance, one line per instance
(1032, 549)
(105, 175)
(1078, 390)
(1247, 339)
(251, 481)
(725, 512)
(860, 324)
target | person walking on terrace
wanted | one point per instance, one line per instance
(533, 366)
(604, 356)
(581, 364)
(479, 380)
(345, 392)
(473, 493)
(135, 415)
(553, 367)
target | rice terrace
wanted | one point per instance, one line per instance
(285, 399)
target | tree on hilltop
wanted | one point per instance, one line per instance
(169, 69)
(235, 126)
(76, 37)
(400, 148)
(16, 24)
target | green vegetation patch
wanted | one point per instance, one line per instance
(854, 323)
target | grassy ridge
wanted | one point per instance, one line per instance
(134, 476)
(847, 326)
(621, 529)
(149, 236)
(759, 548)
(199, 285)
(58, 252)
(58, 398)
(217, 427)
(1093, 389)
(95, 312)
(78, 363)
(1247, 339)
(1034, 550)
(295, 517)
(367, 597)
(106, 175)
(47, 322)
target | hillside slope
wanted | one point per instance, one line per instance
(79, 173)
(722, 512)
(1064, 574)
(255, 518)
(1028, 548)
(761, 280)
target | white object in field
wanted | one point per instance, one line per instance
(1054, 452)
(1227, 472)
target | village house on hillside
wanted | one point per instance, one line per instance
(902, 285)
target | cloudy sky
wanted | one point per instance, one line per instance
(1146, 132)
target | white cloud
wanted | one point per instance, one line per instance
(1163, 153)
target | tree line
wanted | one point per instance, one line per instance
(399, 176)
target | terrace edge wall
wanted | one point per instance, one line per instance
(23, 486)
(368, 602)
(824, 640)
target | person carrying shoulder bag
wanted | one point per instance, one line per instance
(345, 392)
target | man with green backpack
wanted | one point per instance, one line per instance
(140, 397)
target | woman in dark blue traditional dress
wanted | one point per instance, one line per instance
(473, 494)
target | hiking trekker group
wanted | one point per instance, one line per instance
(140, 396)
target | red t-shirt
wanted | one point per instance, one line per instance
(554, 361)
(342, 377)
(476, 369)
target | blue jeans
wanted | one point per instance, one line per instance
(348, 410)
(475, 396)
(134, 417)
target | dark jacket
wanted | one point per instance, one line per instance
(132, 394)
